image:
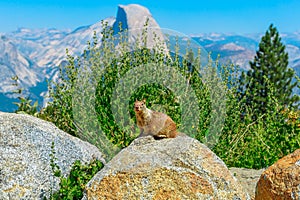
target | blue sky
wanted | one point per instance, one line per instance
(186, 16)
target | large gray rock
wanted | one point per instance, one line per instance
(177, 168)
(25, 145)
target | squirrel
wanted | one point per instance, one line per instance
(154, 123)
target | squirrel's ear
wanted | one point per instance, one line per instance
(144, 100)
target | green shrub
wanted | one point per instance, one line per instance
(257, 143)
(25, 104)
(72, 186)
(104, 66)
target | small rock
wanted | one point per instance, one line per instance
(248, 178)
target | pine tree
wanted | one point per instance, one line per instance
(269, 75)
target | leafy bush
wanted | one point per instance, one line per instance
(263, 125)
(258, 142)
(25, 104)
(72, 186)
(104, 66)
(59, 110)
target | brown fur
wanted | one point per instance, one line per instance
(150, 122)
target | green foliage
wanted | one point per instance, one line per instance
(105, 67)
(257, 131)
(25, 105)
(257, 143)
(59, 110)
(250, 130)
(270, 64)
(72, 186)
(54, 167)
(247, 138)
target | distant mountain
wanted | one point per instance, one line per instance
(34, 55)
(240, 49)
